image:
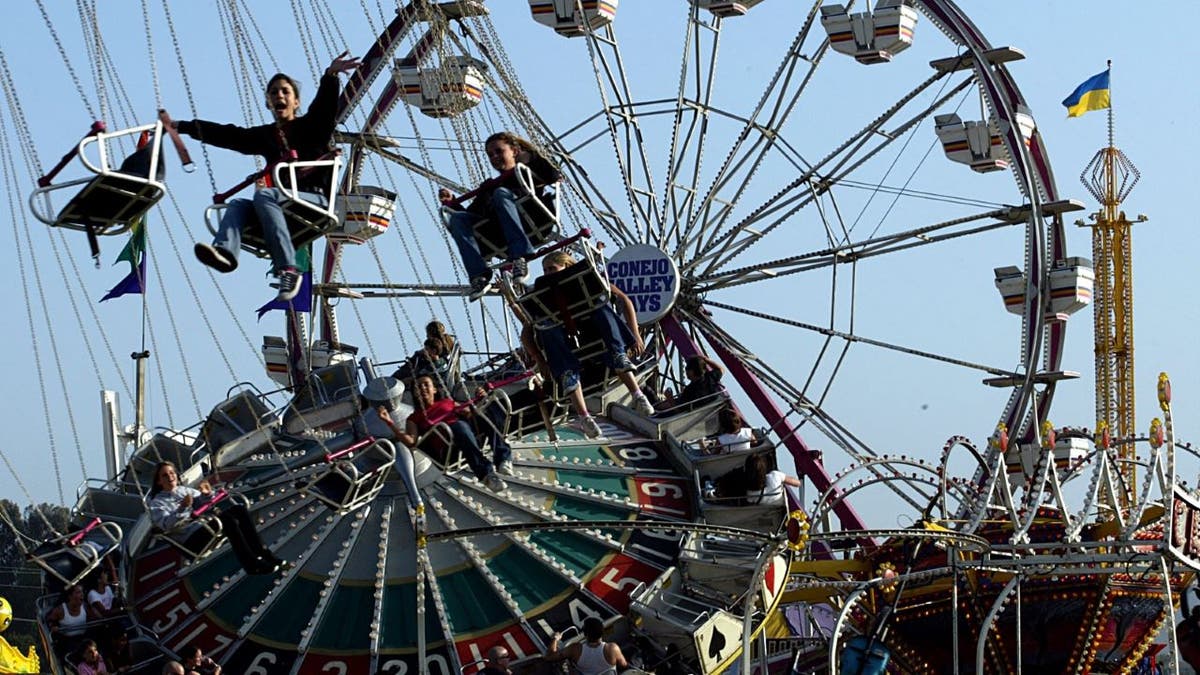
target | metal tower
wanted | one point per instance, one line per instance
(1110, 177)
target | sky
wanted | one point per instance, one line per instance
(205, 340)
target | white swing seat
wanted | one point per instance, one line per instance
(574, 294)
(352, 477)
(105, 203)
(71, 557)
(539, 218)
(306, 221)
(177, 536)
(446, 90)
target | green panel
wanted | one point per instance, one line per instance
(233, 605)
(470, 601)
(578, 509)
(612, 484)
(213, 571)
(398, 624)
(291, 611)
(577, 552)
(347, 620)
(526, 578)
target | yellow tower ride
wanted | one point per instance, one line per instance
(1110, 177)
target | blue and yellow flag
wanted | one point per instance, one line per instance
(1091, 95)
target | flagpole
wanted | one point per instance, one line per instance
(1111, 140)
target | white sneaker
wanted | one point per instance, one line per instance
(506, 468)
(495, 483)
(642, 405)
(589, 427)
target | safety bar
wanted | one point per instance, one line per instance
(205, 507)
(78, 536)
(332, 456)
(97, 128)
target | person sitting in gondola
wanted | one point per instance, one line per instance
(497, 199)
(617, 335)
(462, 422)
(733, 434)
(68, 620)
(308, 136)
(437, 330)
(703, 385)
(171, 507)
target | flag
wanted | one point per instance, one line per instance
(135, 254)
(303, 300)
(1091, 95)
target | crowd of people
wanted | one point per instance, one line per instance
(89, 627)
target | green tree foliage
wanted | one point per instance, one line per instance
(20, 582)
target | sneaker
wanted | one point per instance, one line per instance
(288, 284)
(642, 405)
(520, 271)
(215, 257)
(589, 426)
(621, 363)
(506, 468)
(479, 286)
(570, 381)
(495, 483)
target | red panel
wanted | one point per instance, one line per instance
(662, 495)
(517, 641)
(615, 581)
(341, 664)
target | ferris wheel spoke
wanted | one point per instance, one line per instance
(723, 243)
(741, 162)
(809, 411)
(624, 129)
(852, 337)
(686, 150)
(852, 252)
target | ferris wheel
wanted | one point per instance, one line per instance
(840, 220)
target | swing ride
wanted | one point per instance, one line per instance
(759, 214)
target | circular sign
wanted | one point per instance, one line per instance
(648, 276)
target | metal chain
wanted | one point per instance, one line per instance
(67, 61)
(187, 88)
(150, 54)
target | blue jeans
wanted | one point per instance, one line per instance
(494, 432)
(265, 210)
(504, 210)
(466, 443)
(602, 323)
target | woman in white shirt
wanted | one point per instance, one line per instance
(735, 436)
(763, 486)
(100, 597)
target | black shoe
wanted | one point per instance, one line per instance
(215, 257)
(520, 271)
(480, 286)
(288, 284)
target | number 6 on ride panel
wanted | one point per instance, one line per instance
(662, 490)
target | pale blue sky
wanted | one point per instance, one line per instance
(936, 300)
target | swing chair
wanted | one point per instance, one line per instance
(307, 221)
(538, 211)
(70, 557)
(566, 300)
(353, 476)
(108, 200)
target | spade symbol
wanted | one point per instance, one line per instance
(716, 644)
